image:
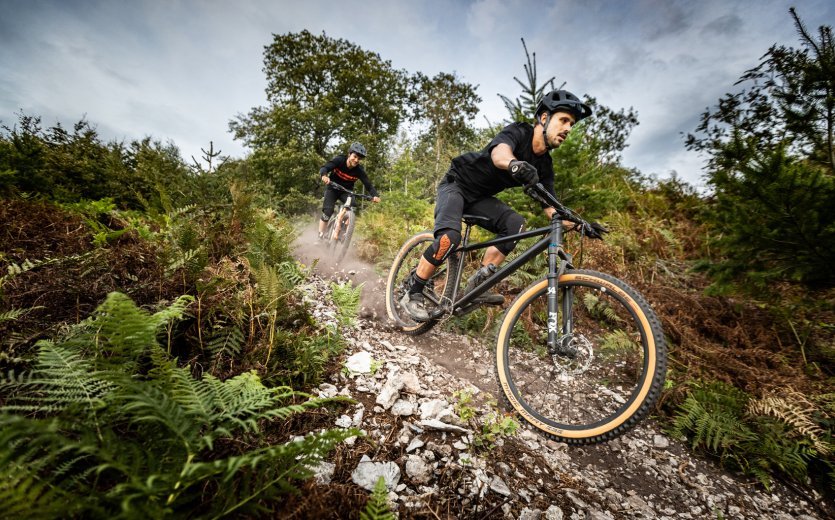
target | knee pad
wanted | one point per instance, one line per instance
(446, 241)
(514, 223)
(325, 217)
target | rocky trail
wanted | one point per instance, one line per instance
(406, 390)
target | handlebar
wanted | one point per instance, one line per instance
(339, 187)
(538, 193)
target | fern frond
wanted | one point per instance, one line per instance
(377, 507)
(13, 314)
(268, 467)
(347, 301)
(797, 412)
(226, 341)
(148, 404)
(619, 341)
(712, 415)
(125, 331)
(271, 289)
(292, 273)
(111, 438)
(60, 379)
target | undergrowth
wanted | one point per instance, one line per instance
(106, 424)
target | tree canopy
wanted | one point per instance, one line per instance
(771, 167)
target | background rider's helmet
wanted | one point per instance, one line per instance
(563, 100)
(358, 149)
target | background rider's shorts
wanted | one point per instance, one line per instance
(331, 196)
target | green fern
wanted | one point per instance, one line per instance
(14, 314)
(377, 507)
(292, 273)
(600, 309)
(270, 238)
(346, 298)
(272, 288)
(106, 424)
(714, 417)
(226, 341)
(618, 344)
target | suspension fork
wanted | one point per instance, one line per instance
(558, 333)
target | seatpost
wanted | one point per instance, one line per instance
(553, 280)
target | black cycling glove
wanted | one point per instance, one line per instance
(595, 230)
(523, 172)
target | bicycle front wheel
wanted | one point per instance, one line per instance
(604, 372)
(346, 232)
(397, 284)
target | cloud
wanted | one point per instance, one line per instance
(181, 70)
(724, 25)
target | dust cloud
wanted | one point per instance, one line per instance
(308, 252)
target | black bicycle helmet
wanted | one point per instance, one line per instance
(565, 100)
(358, 149)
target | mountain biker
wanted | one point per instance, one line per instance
(343, 170)
(517, 156)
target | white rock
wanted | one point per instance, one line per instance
(358, 415)
(367, 473)
(553, 513)
(415, 444)
(327, 390)
(344, 422)
(402, 407)
(390, 391)
(660, 441)
(418, 470)
(497, 485)
(433, 408)
(434, 424)
(359, 363)
(411, 383)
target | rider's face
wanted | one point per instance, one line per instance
(353, 159)
(558, 127)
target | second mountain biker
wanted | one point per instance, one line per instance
(344, 170)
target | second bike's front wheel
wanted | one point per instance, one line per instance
(397, 284)
(603, 373)
(346, 232)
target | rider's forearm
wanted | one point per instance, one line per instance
(501, 155)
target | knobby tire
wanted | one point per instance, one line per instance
(436, 290)
(612, 373)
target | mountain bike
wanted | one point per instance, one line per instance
(580, 355)
(340, 227)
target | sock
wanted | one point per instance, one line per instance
(418, 284)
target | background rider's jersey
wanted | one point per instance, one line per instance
(337, 170)
(479, 178)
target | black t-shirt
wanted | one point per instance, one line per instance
(479, 178)
(337, 170)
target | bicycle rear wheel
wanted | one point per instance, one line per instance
(397, 285)
(607, 372)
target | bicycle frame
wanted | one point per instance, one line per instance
(346, 207)
(558, 261)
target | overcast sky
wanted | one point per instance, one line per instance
(181, 70)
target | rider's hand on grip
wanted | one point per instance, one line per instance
(594, 230)
(523, 172)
